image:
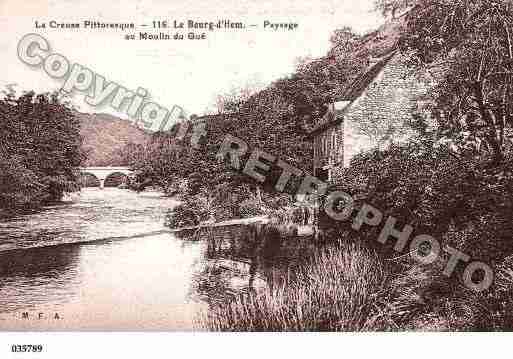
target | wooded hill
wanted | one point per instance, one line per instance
(105, 138)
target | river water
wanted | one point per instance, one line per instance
(100, 263)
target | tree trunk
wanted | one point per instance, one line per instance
(492, 135)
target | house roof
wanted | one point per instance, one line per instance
(358, 86)
(214, 117)
(335, 113)
(377, 49)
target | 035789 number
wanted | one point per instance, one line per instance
(27, 348)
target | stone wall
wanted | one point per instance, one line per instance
(381, 114)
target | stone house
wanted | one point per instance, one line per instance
(373, 111)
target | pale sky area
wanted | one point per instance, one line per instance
(187, 73)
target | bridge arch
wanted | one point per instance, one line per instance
(110, 177)
(87, 178)
(102, 173)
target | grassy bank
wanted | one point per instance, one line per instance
(336, 291)
(350, 288)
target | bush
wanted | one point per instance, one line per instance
(349, 288)
(421, 297)
(40, 145)
(335, 292)
(250, 208)
(20, 187)
(501, 298)
(189, 213)
(461, 202)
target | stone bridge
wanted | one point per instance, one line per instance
(102, 173)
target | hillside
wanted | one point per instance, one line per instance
(105, 137)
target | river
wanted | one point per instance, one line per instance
(97, 264)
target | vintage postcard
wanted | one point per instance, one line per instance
(247, 166)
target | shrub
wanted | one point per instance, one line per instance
(334, 292)
(349, 288)
(19, 185)
(502, 296)
(40, 145)
(461, 202)
(250, 208)
(189, 213)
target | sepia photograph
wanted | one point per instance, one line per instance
(227, 166)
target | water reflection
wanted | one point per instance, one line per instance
(106, 262)
(240, 259)
(102, 263)
(37, 275)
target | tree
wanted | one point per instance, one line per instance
(469, 45)
(391, 7)
(231, 101)
(275, 120)
(40, 146)
(462, 204)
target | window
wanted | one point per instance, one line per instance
(322, 174)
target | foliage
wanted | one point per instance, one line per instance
(40, 148)
(464, 204)
(189, 213)
(19, 185)
(250, 208)
(420, 297)
(275, 119)
(232, 100)
(469, 46)
(502, 298)
(221, 204)
(391, 7)
(334, 292)
(348, 287)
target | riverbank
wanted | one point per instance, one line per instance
(335, 290)
(348, 287)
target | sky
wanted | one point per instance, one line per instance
(188, 73)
